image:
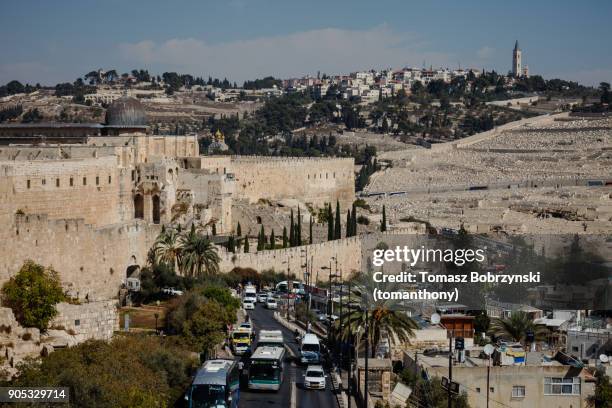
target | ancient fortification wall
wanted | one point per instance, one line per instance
(84, 188)
(313, 180)
(92, 262)
(347, 251)
(351, 254)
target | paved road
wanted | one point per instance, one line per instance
(291, 394)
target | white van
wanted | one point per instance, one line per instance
(310, 349)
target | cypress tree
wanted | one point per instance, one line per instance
(330, 224)
(239, 230)
(310, 228)
(348, 224)
(246, 244)
(285, 240)
(292, 231)
(354, 220)
(383, 223)
(298, 229)
(272, 239)
(338, 226)
(214, 229)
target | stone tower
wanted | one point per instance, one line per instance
(516, 60)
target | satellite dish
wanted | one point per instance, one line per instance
(435, 318)
(603, 358)
(489, 349)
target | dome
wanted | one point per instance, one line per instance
(126, 111)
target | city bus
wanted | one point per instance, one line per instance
(216, 385)
(270, 338)
(266, 368)
(310, 349)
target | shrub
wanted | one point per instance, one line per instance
(363, 220)
(132, 371)
(32, 295)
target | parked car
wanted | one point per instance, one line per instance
(172, 291)
(314, 378)
(262, 297)
(271, 303)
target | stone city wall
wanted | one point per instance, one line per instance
(94, 320)
(312, 180)
(91, 262)
(348, 251)
(83, 188)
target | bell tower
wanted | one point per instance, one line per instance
(517, 70)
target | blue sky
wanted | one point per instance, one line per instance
(50, 41)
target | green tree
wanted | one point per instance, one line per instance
(246, 244)
(602, 398)
(32, 295)
(214, 229)
(515, 327)
(285, 239)
(382, 316)
(126, 372)
(330, 223)
(310, 230)
(338, 224)
(383, 222)
(239, 230)
(272, 240)
(292, 231)
(298, 229)
(348, 223)
(199, 255)
(168, 247)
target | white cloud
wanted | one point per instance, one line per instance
(329, 50)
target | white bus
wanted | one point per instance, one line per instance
(216, 384)
(266, 368)
(270, 338)
(310, 349)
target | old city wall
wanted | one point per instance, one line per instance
(148, 147)
(312, 180)
(91, 261)
(352, 253)
(90, 189)
(347, 251)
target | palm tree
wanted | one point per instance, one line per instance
(383, 316)
(516, 327)
(168, 247)
(199, 255)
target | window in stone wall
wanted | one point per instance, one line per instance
(28, 183)
(57, 183)
(97, 180)
(84, 181)
(71, 182)
(44, 181)
(109, 179)
(77, 322)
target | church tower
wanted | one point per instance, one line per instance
(516, 61)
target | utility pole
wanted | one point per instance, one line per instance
(350, 351)
(450, 367)
(367, 357)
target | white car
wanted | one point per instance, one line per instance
(271, 303)
(262, 297)
(172, 291)
(314, 379)
(248, 304)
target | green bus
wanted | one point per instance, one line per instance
(266, 367)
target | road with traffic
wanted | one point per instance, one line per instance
(292, 393)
